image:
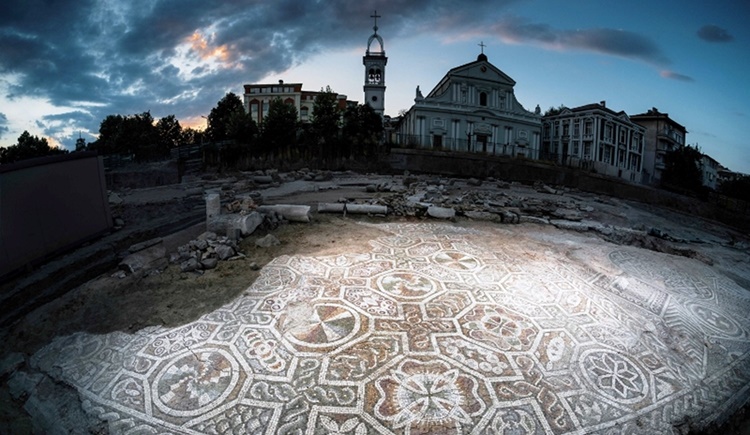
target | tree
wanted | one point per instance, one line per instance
(220, 116)
(28, 147)
(169, 131)
(134, 135)
(552, 111)
(362, 127)
(192, 136)
(738, 188)
(325, 120)
(682, 169)
(279, 127)
(108, 140)
(242, 128)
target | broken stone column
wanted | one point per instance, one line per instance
(246, 224)
(213, 206)
(441, 212)
(292, 213)
(332, 207)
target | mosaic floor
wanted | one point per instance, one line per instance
(431, 330)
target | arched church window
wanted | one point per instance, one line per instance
(482, 98)
(374, 76)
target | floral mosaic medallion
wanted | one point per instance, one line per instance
(420, 397)
(432, 329)
(614, 376)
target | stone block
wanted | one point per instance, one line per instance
(213, 206)
(190, 265)
(441, 212)
(145, 260)
(249, 223)
(267, 241)
(224, 251)
(209, 263)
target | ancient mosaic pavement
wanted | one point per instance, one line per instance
(432, 331)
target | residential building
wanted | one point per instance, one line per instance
(663, 135)
(473, 108)
(594, 137)
(258, 97)
(709, 171)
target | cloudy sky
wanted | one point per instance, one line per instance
(67, 64)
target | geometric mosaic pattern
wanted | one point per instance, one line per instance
(432, 331)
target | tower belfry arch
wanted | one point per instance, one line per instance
(374, 61)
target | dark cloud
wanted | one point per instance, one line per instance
(676, 76)
(101, 57)
(613, 42)
(712, 33)
(3, 125)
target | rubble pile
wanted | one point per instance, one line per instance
(205, 252)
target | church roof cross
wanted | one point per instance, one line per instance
(375, 16)
(481, 44)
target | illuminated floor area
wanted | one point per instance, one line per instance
(434, 329)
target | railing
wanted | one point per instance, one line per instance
(464, 145)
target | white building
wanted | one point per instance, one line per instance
(663, 134)
(709, 171)
(595, 137)
(473, 108)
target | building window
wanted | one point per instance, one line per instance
(588, 128)
(482, 98)
(577, 129)
(557, 129)
(254, 110)
(546, 130)
(566, 129)
(374, 76)
(608, 132)
(303, 113)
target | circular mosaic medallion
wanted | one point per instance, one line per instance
(614, 376)
(322, 326)
(195, 382)
(456, 260)
(715, 322)
(406, 285)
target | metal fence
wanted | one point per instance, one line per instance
(440, 143)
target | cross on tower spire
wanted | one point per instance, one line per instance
(481, 44)
(375, 16)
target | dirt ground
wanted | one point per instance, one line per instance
(172, 298)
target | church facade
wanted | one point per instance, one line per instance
(472, 109)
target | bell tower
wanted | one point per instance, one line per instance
(374, 62)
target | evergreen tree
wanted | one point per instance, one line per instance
(279, 129)
(682, 169)
(220, 116)
(169, 131)
(363, 129)
(28, 147)
(325, 122)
